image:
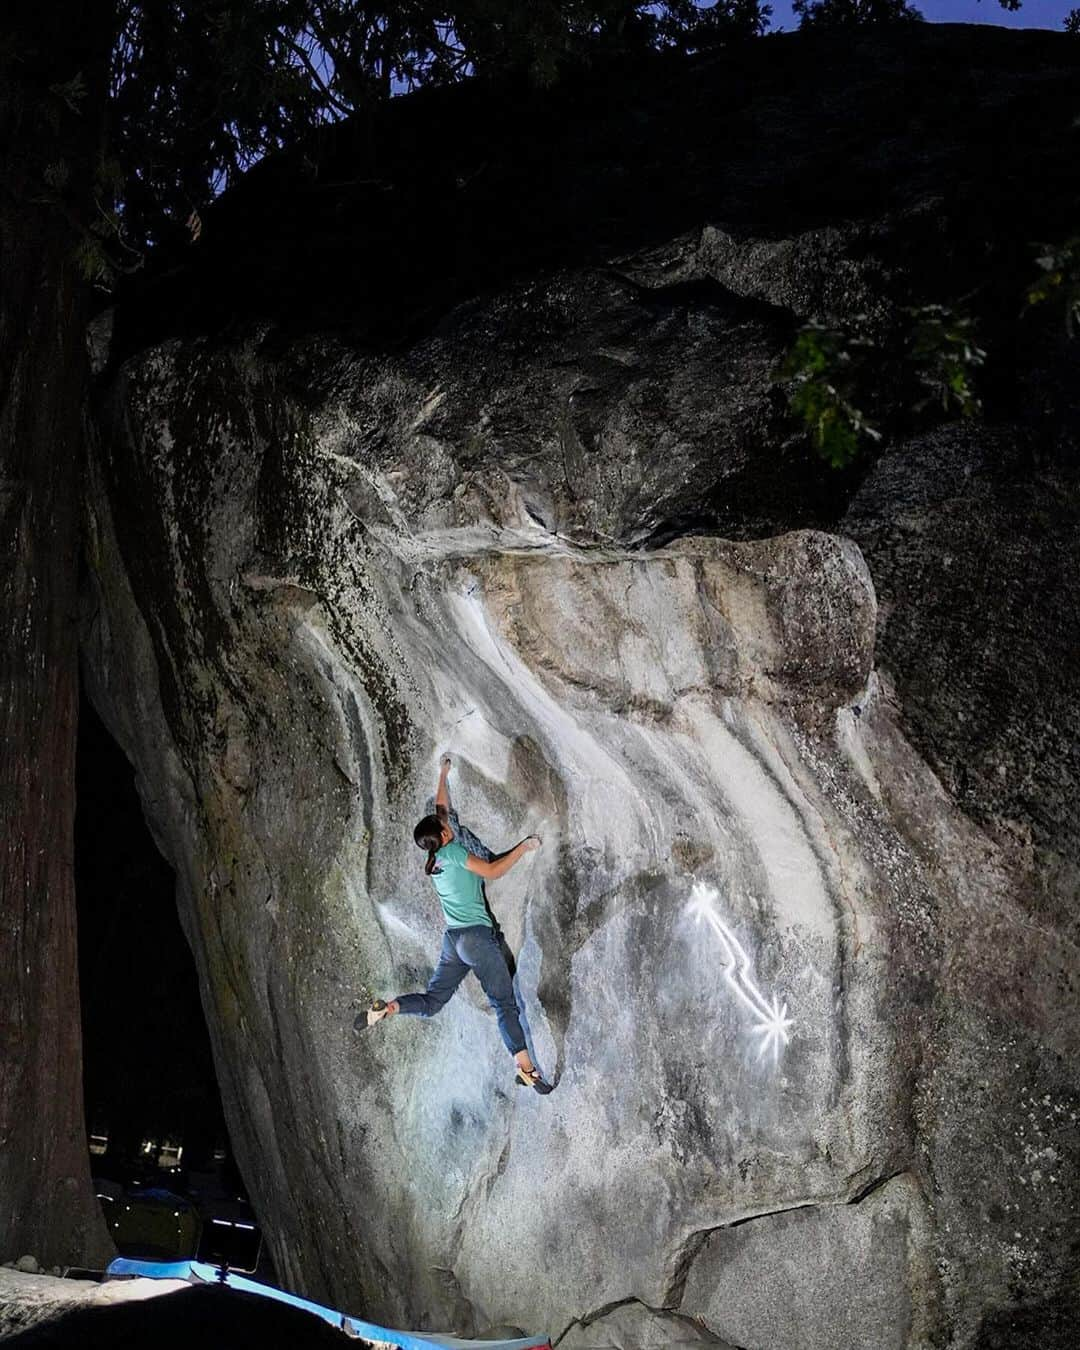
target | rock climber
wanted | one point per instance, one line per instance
(472, 941)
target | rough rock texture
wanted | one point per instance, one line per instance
(55, 1314)
(764, 768)
(30, 1299)
(975, 546)
(869, 1282)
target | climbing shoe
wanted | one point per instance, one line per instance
(370, 1016)
(531, 1078)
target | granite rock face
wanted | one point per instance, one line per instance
(807, 991)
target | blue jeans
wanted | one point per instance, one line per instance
(476, 949)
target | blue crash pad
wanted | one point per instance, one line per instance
(199, 1272)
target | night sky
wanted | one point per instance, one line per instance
(1034, 14)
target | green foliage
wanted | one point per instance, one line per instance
(92, 260)
(684, 25)
(1060, 280)
(945, 358)
(71, 93)
(1072, 21)
(826, 14)
(827, 367)
(101, 249)
(846, 381)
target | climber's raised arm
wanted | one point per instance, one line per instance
(442, 792)
(491, 871)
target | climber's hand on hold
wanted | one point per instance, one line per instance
(442, 791)
(498, 867)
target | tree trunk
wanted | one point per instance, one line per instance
(48, 152)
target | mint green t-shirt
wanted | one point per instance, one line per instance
(458, 889)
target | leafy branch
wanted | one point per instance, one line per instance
(1060, 280)
(945, 358)
(827, 367)
(837, 373)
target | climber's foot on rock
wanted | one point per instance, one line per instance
(375, 1013)
(531, 1078)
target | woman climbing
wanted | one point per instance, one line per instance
(471, 941)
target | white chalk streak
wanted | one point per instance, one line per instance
(773, 1023)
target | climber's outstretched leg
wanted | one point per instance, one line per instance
(449, 973)
(479, 947)
(442, 986)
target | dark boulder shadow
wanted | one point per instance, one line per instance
(213, 1317)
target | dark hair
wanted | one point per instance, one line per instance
(428, 834)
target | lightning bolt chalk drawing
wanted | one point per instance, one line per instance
(773, 1023)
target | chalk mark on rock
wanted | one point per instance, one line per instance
(773, 1024)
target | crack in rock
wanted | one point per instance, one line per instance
(697, 1332)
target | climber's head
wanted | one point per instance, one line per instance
(431, 834)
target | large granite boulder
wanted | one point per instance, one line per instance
(798, 956)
